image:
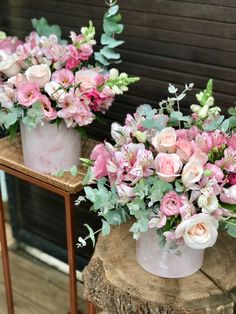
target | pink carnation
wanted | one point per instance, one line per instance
(232, 141)
(85, 52)
(9, 44)
(28, 94)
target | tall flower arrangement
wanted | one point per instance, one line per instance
(171, 172)
(49, 79)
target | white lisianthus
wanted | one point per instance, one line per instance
(199, 231)
(39, 74)
(54, 90)
(208, 202)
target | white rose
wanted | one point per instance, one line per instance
(39, 74)
(192, 172)
(9, 64)
(165, 140)
(54, 90)
(208, 202)
(199, 231)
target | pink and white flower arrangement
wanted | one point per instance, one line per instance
(171, 172)
(56, 79)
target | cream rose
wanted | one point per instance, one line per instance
(165, 140)
(39, 74)
(192, 172)
(199, 231)
(9, 64)
(168, 166)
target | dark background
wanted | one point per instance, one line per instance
(166, 41)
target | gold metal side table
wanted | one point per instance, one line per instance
(11, 161)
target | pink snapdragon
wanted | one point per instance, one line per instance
(27, 94)
(171, 204)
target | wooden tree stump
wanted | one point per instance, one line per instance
(115, 283)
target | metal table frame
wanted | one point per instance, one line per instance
(69, 215)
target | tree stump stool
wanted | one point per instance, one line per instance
(116, 284)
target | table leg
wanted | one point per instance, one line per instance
(90, 308)
(71, 252)
(5, 260)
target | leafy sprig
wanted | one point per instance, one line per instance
(111, 27)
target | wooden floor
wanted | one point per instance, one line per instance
(37, 288)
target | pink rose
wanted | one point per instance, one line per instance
(184, 149)
(232, 178)
(171, 204)
(165, 140)
(168, 166)
(39, 74)
(192, 172)
(49, 112)
(64, 77)
(216, 172)
(86, 78)
(100, 156)
(28, 94)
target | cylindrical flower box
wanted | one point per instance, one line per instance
(164, 262)
(49, 148)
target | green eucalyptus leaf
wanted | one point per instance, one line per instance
(10, 119)
(231, 229)
(3, 115)
(90, 194)
(106, 228)
(109, 53)
(101, 59)
(232, 111)
(74, 170)
(91, 234)
(112, 11)
(88, 177)
(225, 125)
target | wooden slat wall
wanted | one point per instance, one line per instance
(166, 41)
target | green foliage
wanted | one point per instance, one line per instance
(74, 170)
(203, 96)
(44, 29)
(91, 234)
(230, 226)
(111, 27)
(33, 116)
